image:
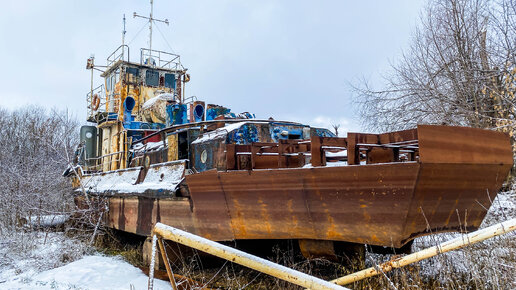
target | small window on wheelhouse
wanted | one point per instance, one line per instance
(170, 81)
(152, 78)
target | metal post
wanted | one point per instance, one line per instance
(167, 264)
(460, 242)
(242, 258)
(150, 284)
(150, 30)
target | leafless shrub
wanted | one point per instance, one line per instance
(34, 147)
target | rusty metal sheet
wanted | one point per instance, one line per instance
(447, 144)
(453, 197)
(210, 211)
(460, 170)
(123, 213)
(351, 203)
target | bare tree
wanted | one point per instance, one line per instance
(33, 144)
(336, 127)
(459, 70)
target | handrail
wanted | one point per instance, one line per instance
(164, 59)
(112, 58)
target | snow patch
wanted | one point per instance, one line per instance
(159, 176)
(151, 101)
(219, 133)
(90, 272)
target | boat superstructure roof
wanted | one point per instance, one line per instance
(150, 59)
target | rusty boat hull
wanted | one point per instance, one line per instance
(448, 187)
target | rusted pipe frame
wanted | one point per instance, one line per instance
(242, 258)
(167, 263)
(454, 244)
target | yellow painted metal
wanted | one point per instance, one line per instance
(106, 148)
(460, 242)
(242, 258)
(172, 147)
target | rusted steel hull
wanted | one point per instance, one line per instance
(378, 204)
(449, 188)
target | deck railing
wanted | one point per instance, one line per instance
(160, 59)
(121, 53)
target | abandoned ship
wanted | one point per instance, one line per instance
(156, 155)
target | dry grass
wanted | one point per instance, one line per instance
(487, 265)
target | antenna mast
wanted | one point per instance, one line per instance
(151, 19)
(123, 33)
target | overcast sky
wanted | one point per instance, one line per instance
(291, 60)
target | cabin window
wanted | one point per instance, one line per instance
(152, 78)
(294, 136)
(170, 81)
(132, 70)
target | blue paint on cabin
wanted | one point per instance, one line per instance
(284, 131)
(212, 113)
(246, 134)
(322, 132)
(176, 114)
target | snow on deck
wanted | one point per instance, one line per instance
(219, 133)
(159, 176)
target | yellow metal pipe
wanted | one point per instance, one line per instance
(460, 242)
(242, 258)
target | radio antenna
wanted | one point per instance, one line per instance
(123, 33)
(151, 19)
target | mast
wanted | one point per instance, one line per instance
(150, 26)
(151, 19)
(123, 33)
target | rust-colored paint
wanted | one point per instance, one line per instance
(448, 189)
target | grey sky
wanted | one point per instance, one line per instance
(291, 60)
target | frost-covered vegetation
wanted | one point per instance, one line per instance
(36, 145)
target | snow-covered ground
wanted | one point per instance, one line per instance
(42, 261)
(89, 272)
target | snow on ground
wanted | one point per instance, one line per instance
(89, 272)
(39, 260)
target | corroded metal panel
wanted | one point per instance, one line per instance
(449, 188)
(453, 197)
(353, 203)
(447, 144)
(209, 206)
(123, 214)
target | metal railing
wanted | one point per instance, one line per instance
(105, 162)
(99, 91)
(160, 59)
(119, 54)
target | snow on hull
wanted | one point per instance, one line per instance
(159, 177)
